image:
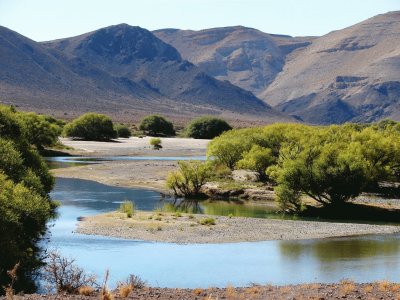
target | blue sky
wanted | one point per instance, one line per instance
(50, 19)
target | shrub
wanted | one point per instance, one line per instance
(39, 131)
(257, 159)
(122, 130)
(92, 127)
(156, 143)
(207, 221)
(25, 206)
(156, 125)
(190, 177)
(206, 128)
(127, 207)
(62, 275)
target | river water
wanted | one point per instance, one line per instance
(362, 259)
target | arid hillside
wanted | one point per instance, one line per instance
(121, 70)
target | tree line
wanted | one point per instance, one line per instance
(331, 164)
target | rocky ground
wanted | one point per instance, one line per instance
(344, 290)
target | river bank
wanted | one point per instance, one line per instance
(188, 228)
(346, 289)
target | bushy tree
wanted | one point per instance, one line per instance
(331, 164)
(257, 159)
(41, 131)
(156, 125)
(24, 214)
(206, 127)
(92, 127)
(190, 178)
(25, 206)
(122, 130)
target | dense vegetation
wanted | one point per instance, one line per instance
(330, 165)
(122, 130)
(25, 183)
(156, 125)
(206, 127)
(92, 127)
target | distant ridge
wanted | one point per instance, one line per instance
(122, 70)
(243, 74)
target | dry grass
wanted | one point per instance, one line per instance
(124, 290)
(231, 292)
(347, 286)
(86, 290)
(368, 289)
(395, 287)
(9, 290)
(383, 285)
(105, 293)
(197, 291)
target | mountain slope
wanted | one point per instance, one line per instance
(246, 57)
(121, 70)
(139, 56)
(350, 74)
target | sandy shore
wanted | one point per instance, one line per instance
(135, 146)
(149, 174)
(169, 227)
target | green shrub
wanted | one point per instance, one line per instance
(190, 177)
(207, 221)
(122, 130)
(156, 125)
(92, 127)
(127, 207)
(206, 128)
(39, 131)
(156, 143)
(257, 159)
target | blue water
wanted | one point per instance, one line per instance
(362, 259)
(97, 159)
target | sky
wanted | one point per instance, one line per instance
(43, 20)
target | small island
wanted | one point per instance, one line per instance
(189, 228)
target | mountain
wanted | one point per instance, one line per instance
(347, 75)
(246, 57)
(121, 70)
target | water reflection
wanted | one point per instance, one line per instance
(327, 250)
(362, 259)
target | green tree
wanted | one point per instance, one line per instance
(329, 173)
(24, 214)
(206, 127)
(91, 126)
(39, 131)
(156, 125)
(190, 178)
(25, 206)
(122, 130)
(257, 159)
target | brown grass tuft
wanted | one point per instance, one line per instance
(86, 290)
(368, 288)
(230, 292)
(124, 290)
(384, 285)
(347, 286)
(197, 291)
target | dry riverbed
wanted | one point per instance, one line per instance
(187, 228)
